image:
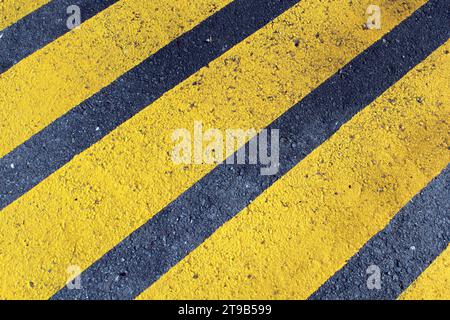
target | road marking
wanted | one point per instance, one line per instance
(82, 62)
(92, 218)
(411, 241)
(13, 10)
(433, 283)
(109, 190)
(99, 201)
(42, 27)
(187, 221)
(69, 135)
(296, 229)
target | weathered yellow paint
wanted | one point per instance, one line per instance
(50, 82)
(305, 227)
(433, 283)
(13, 10)
(87, 207)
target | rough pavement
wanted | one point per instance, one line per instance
(88, 182)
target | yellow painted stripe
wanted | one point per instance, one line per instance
(433, 283)
(304, 228)
(53, 80)
(87, 207)
(13, 10)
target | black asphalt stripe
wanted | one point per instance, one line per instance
(50, 149)
(41, 27)
(149, 252)
(418, 234)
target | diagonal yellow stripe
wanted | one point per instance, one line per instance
(305, 227)
(13, 10)
(50, 82)
(87, 207)
(433, 283)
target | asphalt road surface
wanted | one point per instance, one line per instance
(347, 104)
